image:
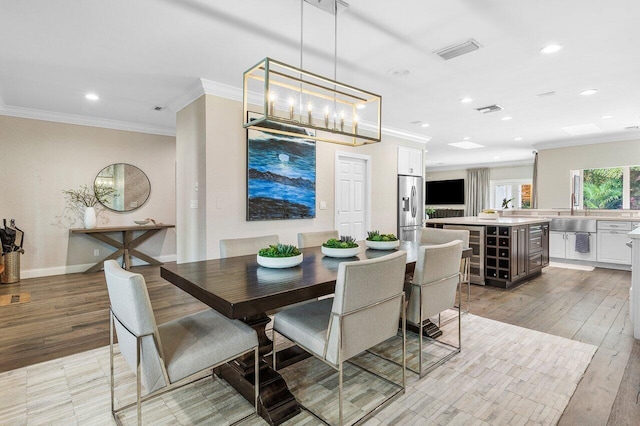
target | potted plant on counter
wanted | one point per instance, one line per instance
(377, 241)
(346, 246)
(279, 256)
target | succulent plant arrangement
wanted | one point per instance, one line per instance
(377, 236)
(279, 250)
(344, 242)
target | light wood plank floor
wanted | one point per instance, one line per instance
(69, 314)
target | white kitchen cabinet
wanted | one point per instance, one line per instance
(571, 245)
(612, 242)
(557, 244)
(562, 246)
(410, 161)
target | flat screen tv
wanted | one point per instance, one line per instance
(445, 192)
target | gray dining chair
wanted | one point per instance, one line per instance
(365, 311)
(436, 280)
(314, 239)
(440, 236)
(245, 246)
(168, 356)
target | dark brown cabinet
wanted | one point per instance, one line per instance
(514, 253)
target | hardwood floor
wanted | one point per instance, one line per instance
(69, 314)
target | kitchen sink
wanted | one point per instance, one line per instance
(573, 225)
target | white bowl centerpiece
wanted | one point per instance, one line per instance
(279, 256)
(377, 241)
(344, 247)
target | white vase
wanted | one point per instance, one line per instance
(90, 220)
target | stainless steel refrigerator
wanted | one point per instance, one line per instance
(410, 208)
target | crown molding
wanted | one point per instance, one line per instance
(479, 165)
(624, 136)
(82, 120)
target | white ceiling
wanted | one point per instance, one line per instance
(144, 53)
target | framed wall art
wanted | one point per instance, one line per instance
(281, 175)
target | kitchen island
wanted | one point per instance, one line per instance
(506, 250)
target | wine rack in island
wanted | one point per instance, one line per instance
(514, 253)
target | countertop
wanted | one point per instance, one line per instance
(503, 221)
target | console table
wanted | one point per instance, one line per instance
(127, 247)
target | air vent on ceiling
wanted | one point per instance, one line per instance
(458, 49)
(489, 108)
(158, 108)
(329, 5)
(632, 128)
(542, 95)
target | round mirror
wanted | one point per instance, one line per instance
(122, 187)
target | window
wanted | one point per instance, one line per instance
(612, 188)
(515, 193)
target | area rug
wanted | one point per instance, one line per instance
(14, 299)
(504, 375)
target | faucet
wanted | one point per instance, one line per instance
(573, 201)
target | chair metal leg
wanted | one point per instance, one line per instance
(138, 383)
(420, 348)
(404, 344)
(340, 393)
(273, 351)
(113, 407)
(256, 383)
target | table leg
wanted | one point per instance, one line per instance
(276, 403)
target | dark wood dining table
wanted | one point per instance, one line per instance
(241, 289)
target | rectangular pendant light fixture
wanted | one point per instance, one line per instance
(280, 96)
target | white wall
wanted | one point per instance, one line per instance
(554, 165)
(39, 159)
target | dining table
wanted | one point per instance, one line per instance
(239, 288)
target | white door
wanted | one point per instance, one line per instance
(352, 195)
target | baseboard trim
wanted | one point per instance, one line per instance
(74, 269)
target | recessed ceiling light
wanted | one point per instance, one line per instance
(466, 145)
(552, 48)
(92, 97)
(497, 158)
(607, 116)
(424, 125)
(588, 92)
(517, 139)
(466, 138)
(507, 118)
(466, 100)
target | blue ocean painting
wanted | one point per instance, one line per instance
(281, 176)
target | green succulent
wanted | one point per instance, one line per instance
(377, 236)
(344, 242)
(279, 250)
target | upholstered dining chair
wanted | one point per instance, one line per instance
(436, 280)
(314, 239)
(440, 236)
(244, 246)
(365, 311)
(167, 356)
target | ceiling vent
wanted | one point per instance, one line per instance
(329, 6)
(490, 108)
(545, 94)
(632, 128)
(458, 49)
(158, 108)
